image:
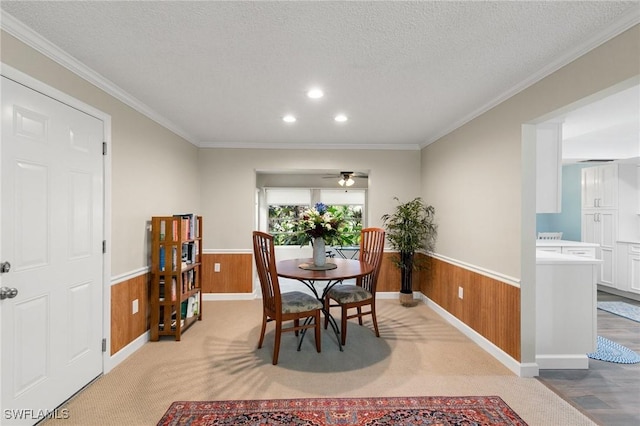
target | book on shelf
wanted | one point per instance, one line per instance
(174, 226)
(196, 303)
(189, 225)
(189, 252)
(174, 322)
(186, 233)
(162, 259)
(161, 289)
(190, 306)
(174, 258)
(189, 279)
(163, 230)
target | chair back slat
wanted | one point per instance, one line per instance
(264, 254)
(371, 250)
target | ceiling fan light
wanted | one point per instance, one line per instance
(346, 180)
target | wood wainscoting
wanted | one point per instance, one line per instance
(125, 325)
(235, 275)
(489, 306)
(389, 278)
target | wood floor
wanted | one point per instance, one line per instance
(607, 392)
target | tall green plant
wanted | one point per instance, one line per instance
(410, 228)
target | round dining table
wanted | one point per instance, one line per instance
(298, 269)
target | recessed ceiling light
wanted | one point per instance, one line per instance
(289, 119)
(315, 93)
(340, 118)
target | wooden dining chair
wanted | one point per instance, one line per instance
(280, 307)
(363, 293)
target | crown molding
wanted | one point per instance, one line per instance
(333, 147)
(34, 40)
(616, 28)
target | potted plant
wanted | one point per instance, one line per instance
(410, 228)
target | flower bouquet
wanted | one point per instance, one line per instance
(319, 225)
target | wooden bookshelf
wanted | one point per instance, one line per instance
(176, 274)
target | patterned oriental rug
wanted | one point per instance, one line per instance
(459, 410)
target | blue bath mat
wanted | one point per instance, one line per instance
(613, 352)
(623, 309)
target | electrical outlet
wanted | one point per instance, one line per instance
(134, 307)
(216, 267)
(460, 292)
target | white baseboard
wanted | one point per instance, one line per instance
(563, 362)
(395, 295)
(207, 297)
(522, 370)
(125, 352)
(628, 295)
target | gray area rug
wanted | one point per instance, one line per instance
(622, 309)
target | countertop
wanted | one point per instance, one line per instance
(552, 258)
(568, 243)
(564, 243)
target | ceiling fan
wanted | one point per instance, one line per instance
(346, 178)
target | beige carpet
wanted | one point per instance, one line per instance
(418, 353)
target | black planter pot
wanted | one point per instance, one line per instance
(406, 273)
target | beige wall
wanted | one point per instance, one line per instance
(153, 170)
(481, 177)
(228, 179)
(473, 176)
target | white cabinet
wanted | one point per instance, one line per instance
(629, 267)
(609, 214)
(575, 248)
(589, 252)
(600, 227)
(634, 268)
(566, 319)
(599, 187)
(549, 249)
(549, 168)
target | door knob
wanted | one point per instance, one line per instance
(8, 293)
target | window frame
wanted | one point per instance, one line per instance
(315, 195)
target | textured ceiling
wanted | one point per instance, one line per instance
(224, 73)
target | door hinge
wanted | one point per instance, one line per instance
(104, 345)
(104, 246)
(104, 148)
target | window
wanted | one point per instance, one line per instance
(286, 205)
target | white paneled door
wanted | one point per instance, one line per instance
(51, 232)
